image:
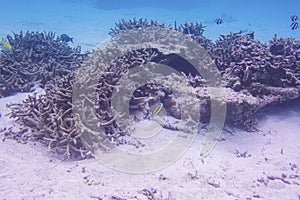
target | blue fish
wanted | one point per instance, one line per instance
(219, 21)
(294, 18)
(66, 38)
(294, 25)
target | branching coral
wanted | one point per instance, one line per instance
(51, 117)
(35, 59)
(285, 53)
(245, 62)
(196, 29)
(134, 23)
(266, 73)
(76, 116)
(105, 68)
(63, 119)
(192, 29)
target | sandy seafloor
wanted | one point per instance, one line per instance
(260, 165)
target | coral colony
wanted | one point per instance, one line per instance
(254, 75)
(35, 59)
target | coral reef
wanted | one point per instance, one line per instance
(75, 115)
(261, 74)
(51, 118)
(196, 29)
(63, 119)
(192, 29)
(35, 59)
(134, 23)
(244, 61)
(269, 73)
(95, 91)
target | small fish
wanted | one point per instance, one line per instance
(219, 21)
(66, 38)
(157, 110)
(5, 46)
(294, 25)
(294, 18)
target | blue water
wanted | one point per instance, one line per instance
(89, 21)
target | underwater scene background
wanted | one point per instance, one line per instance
(95, 18)
(133, 99)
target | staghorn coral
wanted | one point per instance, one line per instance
(134, 23)
(285, 53)
(255, 75)
(51, 117)
(35, 59)
(73, 124)
(96, 113)
(244, 62)
(196, 29)
(192, 29)
(266, 72)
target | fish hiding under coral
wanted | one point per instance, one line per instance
(5, 46)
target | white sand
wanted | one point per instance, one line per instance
(27, 171)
